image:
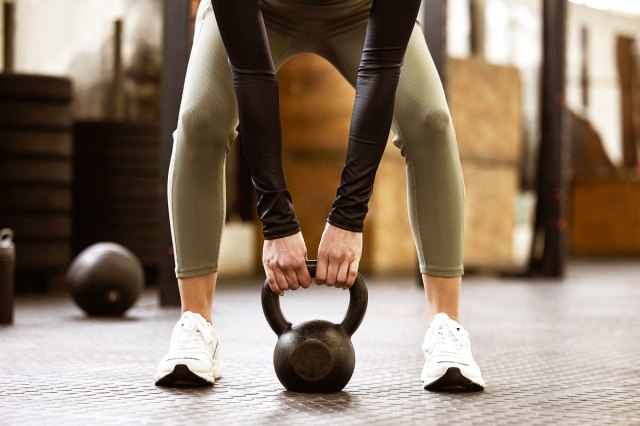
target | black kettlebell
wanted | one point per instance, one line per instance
(105, 279)
(315, 356)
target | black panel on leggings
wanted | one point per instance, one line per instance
(242, 28)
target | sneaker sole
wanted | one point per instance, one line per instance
(453, 381)
(181, 376)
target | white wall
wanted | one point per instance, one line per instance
(73, 38)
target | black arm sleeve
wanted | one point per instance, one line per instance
(242, 28)
(256, 87)
(390, 25)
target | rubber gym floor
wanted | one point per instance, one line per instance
(552, 352)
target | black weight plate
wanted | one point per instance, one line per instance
(125, 185)
(132, 235)
(98, 151)
(123, 217)
(38, 226)
(124, 170)
(132, 156)
(34, 115)
(119, 198)
(42, 255)
(132, 208)
(92, 130)
(49, 171)
(130, 224)
(22, 86)
(34, 198)
(122, 141)
(118, 207)
(28, 143)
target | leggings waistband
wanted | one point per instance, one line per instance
(318, 9)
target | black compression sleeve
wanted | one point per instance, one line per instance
(254, 78)
(390, 25)
(242, 28)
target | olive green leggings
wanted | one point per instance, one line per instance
(335, 30)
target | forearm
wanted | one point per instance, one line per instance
(256, 86)
(388, 32)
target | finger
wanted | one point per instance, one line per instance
(341, 277)
(292, 279)
(304, 278)
(321, 269)
(271, 279)
(353, 272)
(332, 272)
(281, 281)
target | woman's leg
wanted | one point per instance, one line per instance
(196, 186)
(196, 182)
(424, 133)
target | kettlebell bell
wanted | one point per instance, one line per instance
(315, 356)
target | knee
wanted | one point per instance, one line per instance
(437, 120)
(435, 126)
(198, 132)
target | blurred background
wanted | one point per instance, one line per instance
(545, 97)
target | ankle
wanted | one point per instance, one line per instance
(450, 313)
(204, 312)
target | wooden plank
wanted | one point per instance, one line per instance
(625, 49)
(175, 50)
(434, 25)
(9, 31)
(392, 248)
(605, 217)
(485, 102)
(477, 33)
(316, 103)
(490, 193)
(588, 157)
(551, 223)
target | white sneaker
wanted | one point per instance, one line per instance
(192, 359)
(449, 364)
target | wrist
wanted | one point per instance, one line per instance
(280, 232)
(353, 226)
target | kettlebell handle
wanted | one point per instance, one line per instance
(358, 298)
(6, 234)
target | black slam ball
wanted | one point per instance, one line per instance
(105, 279)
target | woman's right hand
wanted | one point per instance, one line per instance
(284, 261)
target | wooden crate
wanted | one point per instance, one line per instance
(392, 248)
(316, 106)
(316, 103)
(490, 193)
(605, 216)
(485, 103)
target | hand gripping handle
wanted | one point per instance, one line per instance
(355, 313)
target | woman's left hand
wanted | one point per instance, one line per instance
(339, 256)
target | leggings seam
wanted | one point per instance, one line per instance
(409, 159)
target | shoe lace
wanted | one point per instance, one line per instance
(451, 335)
(189, 340)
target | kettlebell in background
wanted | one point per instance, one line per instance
(315, 356)
(7, 270)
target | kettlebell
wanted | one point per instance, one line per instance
(315, 356)
(7, 271)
